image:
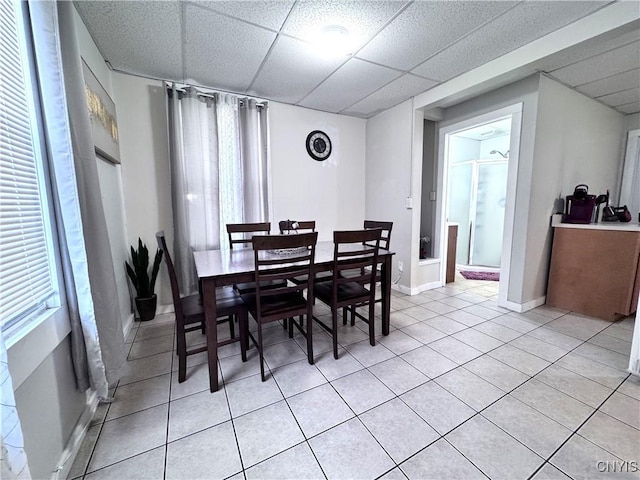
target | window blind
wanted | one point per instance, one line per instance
(25, 273)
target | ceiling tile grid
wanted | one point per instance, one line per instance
(621, 98)
(361, 18)
(517, 27)
(211, 53)
(613, 83)
(600, 66)
(390, 95)
(127, 35)
(276, 80)
(424, 28)
(269, 14)
(262, 47)
(355, 79)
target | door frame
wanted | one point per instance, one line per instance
(441, 234)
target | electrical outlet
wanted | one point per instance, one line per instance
(408, 202)
(400, 266)
(432, 196)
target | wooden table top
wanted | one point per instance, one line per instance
(218, 263)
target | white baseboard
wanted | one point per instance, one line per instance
(165, 309)
(70, 451)
(128, 324)
(522, 307)
(416, 290)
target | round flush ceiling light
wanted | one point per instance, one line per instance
(333, 40)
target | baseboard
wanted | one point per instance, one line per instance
(72, 447)
(416, 290)
(128, 324)
(164, 309)
(522, 307)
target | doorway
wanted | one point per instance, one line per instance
(478, 162)
(478, 159)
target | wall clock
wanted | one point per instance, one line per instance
(318, 145)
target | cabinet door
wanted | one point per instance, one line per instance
(594, 272)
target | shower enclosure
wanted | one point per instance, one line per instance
(477, 197)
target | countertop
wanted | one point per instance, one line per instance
(632, 226)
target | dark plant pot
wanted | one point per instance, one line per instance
(147, 307)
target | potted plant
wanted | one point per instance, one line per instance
(138, 272)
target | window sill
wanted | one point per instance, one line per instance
(30, 343)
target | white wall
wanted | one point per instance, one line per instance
(389, 181)
(566, 139)
(331, 192)
(142, 123)
(578, 140)
(526, 92)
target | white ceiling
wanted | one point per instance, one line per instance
(402, 48)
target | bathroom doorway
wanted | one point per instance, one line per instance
(478, 159)
(477, 190)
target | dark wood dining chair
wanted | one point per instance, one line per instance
(277, 258)
(189, 313)
(237, 233)
(354, 251)
(293, 226)
(385, 241)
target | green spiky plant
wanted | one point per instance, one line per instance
(139, 272)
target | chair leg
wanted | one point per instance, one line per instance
(309, 337)
(334, 327)
(291, 327)
(284, 323)
(260, 351)
(244, 337)
(182, 355)
(344, 315)
(372, 323)
(232, 329)
(353, 315)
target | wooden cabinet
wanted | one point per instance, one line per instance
(595, 271)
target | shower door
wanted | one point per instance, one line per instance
(488, 220)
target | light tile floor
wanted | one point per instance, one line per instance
(461, 388)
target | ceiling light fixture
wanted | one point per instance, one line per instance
(333, 40)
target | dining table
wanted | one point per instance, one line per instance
(218, 268)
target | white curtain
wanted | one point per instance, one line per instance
(89, 281)
(218, 150)
(630, 185)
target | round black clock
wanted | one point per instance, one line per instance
(318, 145)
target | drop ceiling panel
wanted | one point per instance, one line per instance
(361, 18)
(629, 108)
(517, 27)
(390, 95)
(353, 81)
(622, 98)
(426, 27)
(276, 80)
(221, 51)
(267, 14)
(600, 66)
(601, 44)
(120, 29)
(615, 83)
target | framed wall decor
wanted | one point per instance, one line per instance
(102, 114)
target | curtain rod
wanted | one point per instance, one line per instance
(210, 93)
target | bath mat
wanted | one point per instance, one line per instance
(493, 276)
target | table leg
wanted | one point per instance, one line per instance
(386, 294)
(210, 316)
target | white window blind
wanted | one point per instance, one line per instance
(25, 272)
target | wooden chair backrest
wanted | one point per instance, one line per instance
(243, 228)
